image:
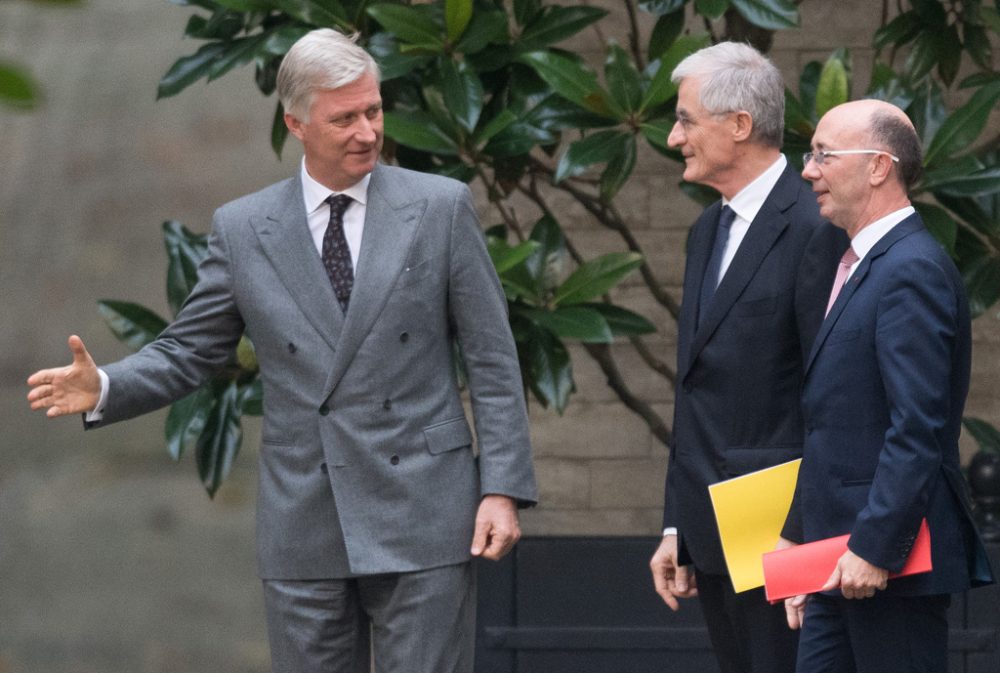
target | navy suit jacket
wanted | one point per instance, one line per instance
(739, 375)
(885, 387)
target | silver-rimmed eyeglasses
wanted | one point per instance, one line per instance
(819, 156)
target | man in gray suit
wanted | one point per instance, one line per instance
(352, 279)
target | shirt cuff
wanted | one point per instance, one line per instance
(97, 413)
(670, 530)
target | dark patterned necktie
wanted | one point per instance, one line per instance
(336, 254)
(711, 279)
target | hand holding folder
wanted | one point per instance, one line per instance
(804, 569)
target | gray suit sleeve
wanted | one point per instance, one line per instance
(196, 345)
(478, 311)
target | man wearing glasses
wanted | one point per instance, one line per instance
(760, 263)
(884, 389)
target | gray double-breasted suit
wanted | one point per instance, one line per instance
(366, 464)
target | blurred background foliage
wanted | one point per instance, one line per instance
(485, 91)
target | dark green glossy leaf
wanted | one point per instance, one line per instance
(927, 111)
(897, 32)
(931, 12)
(980, 183)
(545, 364)
(456, 170)
(246, 5)
(545, 265)
(977, 43)
(712, 9)
(391, 61)
(457, 14)
(964, 125)
(979, 79)
(573, 322)
(796, 119)
(618, 169)
(555, 113)
(408, 23)
(939, 223)
(986, 436)
(972, 212)
(189, 69)
(661, 89)
(525, 10)
(982, 282)
(219, 442)
(834, 83)
(279, 41)
(623, 80)
(657, 131)
(622, 321)
(594, 278)
(186, 420)
(505, 256)
(238, 52)
(923, 56)
(279, 130)
(251, 398)
(487, 31)
(518, 139)
(808, 85)
(950, 55)
(990, 17)
(665, 32)
(185, 251)
(132, 324)
(463, 93)
(662, 7)
(769, 14)
(317, 13)
(554, 24)
(223, 25)
(17, 90)
(496, 125)
(571, 80)
(598, 147)
(418, 130)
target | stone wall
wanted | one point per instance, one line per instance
(111, 557)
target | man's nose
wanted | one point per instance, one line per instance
(676, 136)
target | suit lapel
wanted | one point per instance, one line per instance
(284, 236)
(391, 220)
(908, 226)
(765, 229)
(699, 250)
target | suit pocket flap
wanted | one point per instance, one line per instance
(449, 435)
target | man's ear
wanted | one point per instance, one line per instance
(880, 169)
(294, 125)
(743, 126)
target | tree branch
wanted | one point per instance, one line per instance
(602, 355)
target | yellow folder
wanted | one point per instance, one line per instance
(750, 511)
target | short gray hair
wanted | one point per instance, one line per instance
(320, 59)
(737, 77)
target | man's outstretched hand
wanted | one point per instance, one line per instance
(72, 389)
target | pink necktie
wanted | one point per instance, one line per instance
(846, 262)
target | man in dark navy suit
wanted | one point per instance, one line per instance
(759, 266)
(884, 390)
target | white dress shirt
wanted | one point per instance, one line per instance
(318, 217)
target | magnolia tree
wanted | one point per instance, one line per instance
(481, 90)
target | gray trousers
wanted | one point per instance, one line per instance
(418, 622)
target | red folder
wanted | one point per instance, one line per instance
(804, 569)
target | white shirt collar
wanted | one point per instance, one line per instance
(314, 194)
(749, 200)
(866, 239)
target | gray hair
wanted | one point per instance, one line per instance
(320, 59)
(899, 138)
(737, 77)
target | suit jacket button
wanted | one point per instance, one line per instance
(404, 337)
(292, 348)
(387, 405)
(324, 469)
(324, 410)
(394, 460)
